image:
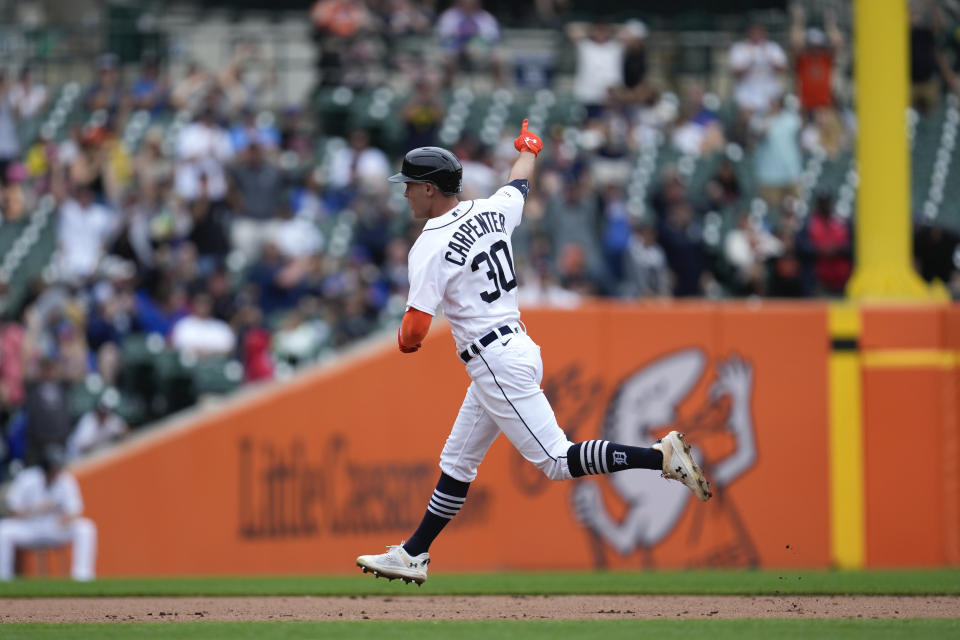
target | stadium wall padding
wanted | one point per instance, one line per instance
(302, 477)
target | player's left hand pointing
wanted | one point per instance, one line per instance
(527, 140)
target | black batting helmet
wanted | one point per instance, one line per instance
(437, 166)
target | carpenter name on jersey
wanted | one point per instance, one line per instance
(471, 229)
(463, 262)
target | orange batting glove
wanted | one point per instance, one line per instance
(528, 141)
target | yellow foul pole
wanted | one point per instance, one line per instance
(883, 235)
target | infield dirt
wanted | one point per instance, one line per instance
(404, 607)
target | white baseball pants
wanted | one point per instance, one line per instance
(505, 396)
(81, 533)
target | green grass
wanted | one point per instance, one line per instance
(932, 582)
(607, 629)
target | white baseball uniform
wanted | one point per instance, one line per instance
(29, 492)
(463, 262)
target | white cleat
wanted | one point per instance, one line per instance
(679, 465)
(396, 563)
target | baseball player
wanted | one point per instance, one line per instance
(45, 507)
(463, 262)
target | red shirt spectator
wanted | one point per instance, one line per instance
(815, 77)
(11, 364)
(830, 239)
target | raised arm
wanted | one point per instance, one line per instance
(529, 145)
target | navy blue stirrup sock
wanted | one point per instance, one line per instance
(602, 456)
(445, 503)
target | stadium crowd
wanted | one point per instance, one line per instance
(230, 239)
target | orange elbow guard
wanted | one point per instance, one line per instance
(413, 329)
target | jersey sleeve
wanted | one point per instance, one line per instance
(19, 492)
(71, 502)
(510, 199)
(426, 277)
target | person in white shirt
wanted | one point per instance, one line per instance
(45, 507)
(747, 248)
(85, 227)
(95, 428)
(200, 334)
(757, 64)
(28, 97)
(358, 165)
(599, 64)
(203, 147)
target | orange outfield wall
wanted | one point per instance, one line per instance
(912, 458)
(303, 477)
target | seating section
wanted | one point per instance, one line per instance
(156, 380)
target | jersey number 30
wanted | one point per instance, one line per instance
(495, 270)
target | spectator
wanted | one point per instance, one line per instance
(925, 83)
(757, 64)
(45, 506)
(778, 162)
(408, 18)
(700, 131)
(12, 336)
(160, 312)
(106, 92)
(252, 130)
(46, 407)
(467, 35)
(789, 272)
(336, 23)
(85, 228)
(541, 289)
(150, 91)
(223, 299)
(16, 198)
(112, 316)
(747, 248)
(636, 89)
(814, 53)
(723, 189)
(645, 265)
(246, 81)
(948, 51)
(9, 140)
(296, 236)
(600, 64)
(300, 338)
(28, 97)
(203, 147)
(573, 218)
(682, 240)
(670, 191)
(209, 231)
(356, 320)
(422, 115)
(935, 251)
(195, 83)
(831, 245)
(200, 334)
(280, 282)
(479, 177)
(254, 342)
(616, 229)
(151, 166)
(575, 272)
(96, 428)
(358, 166)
